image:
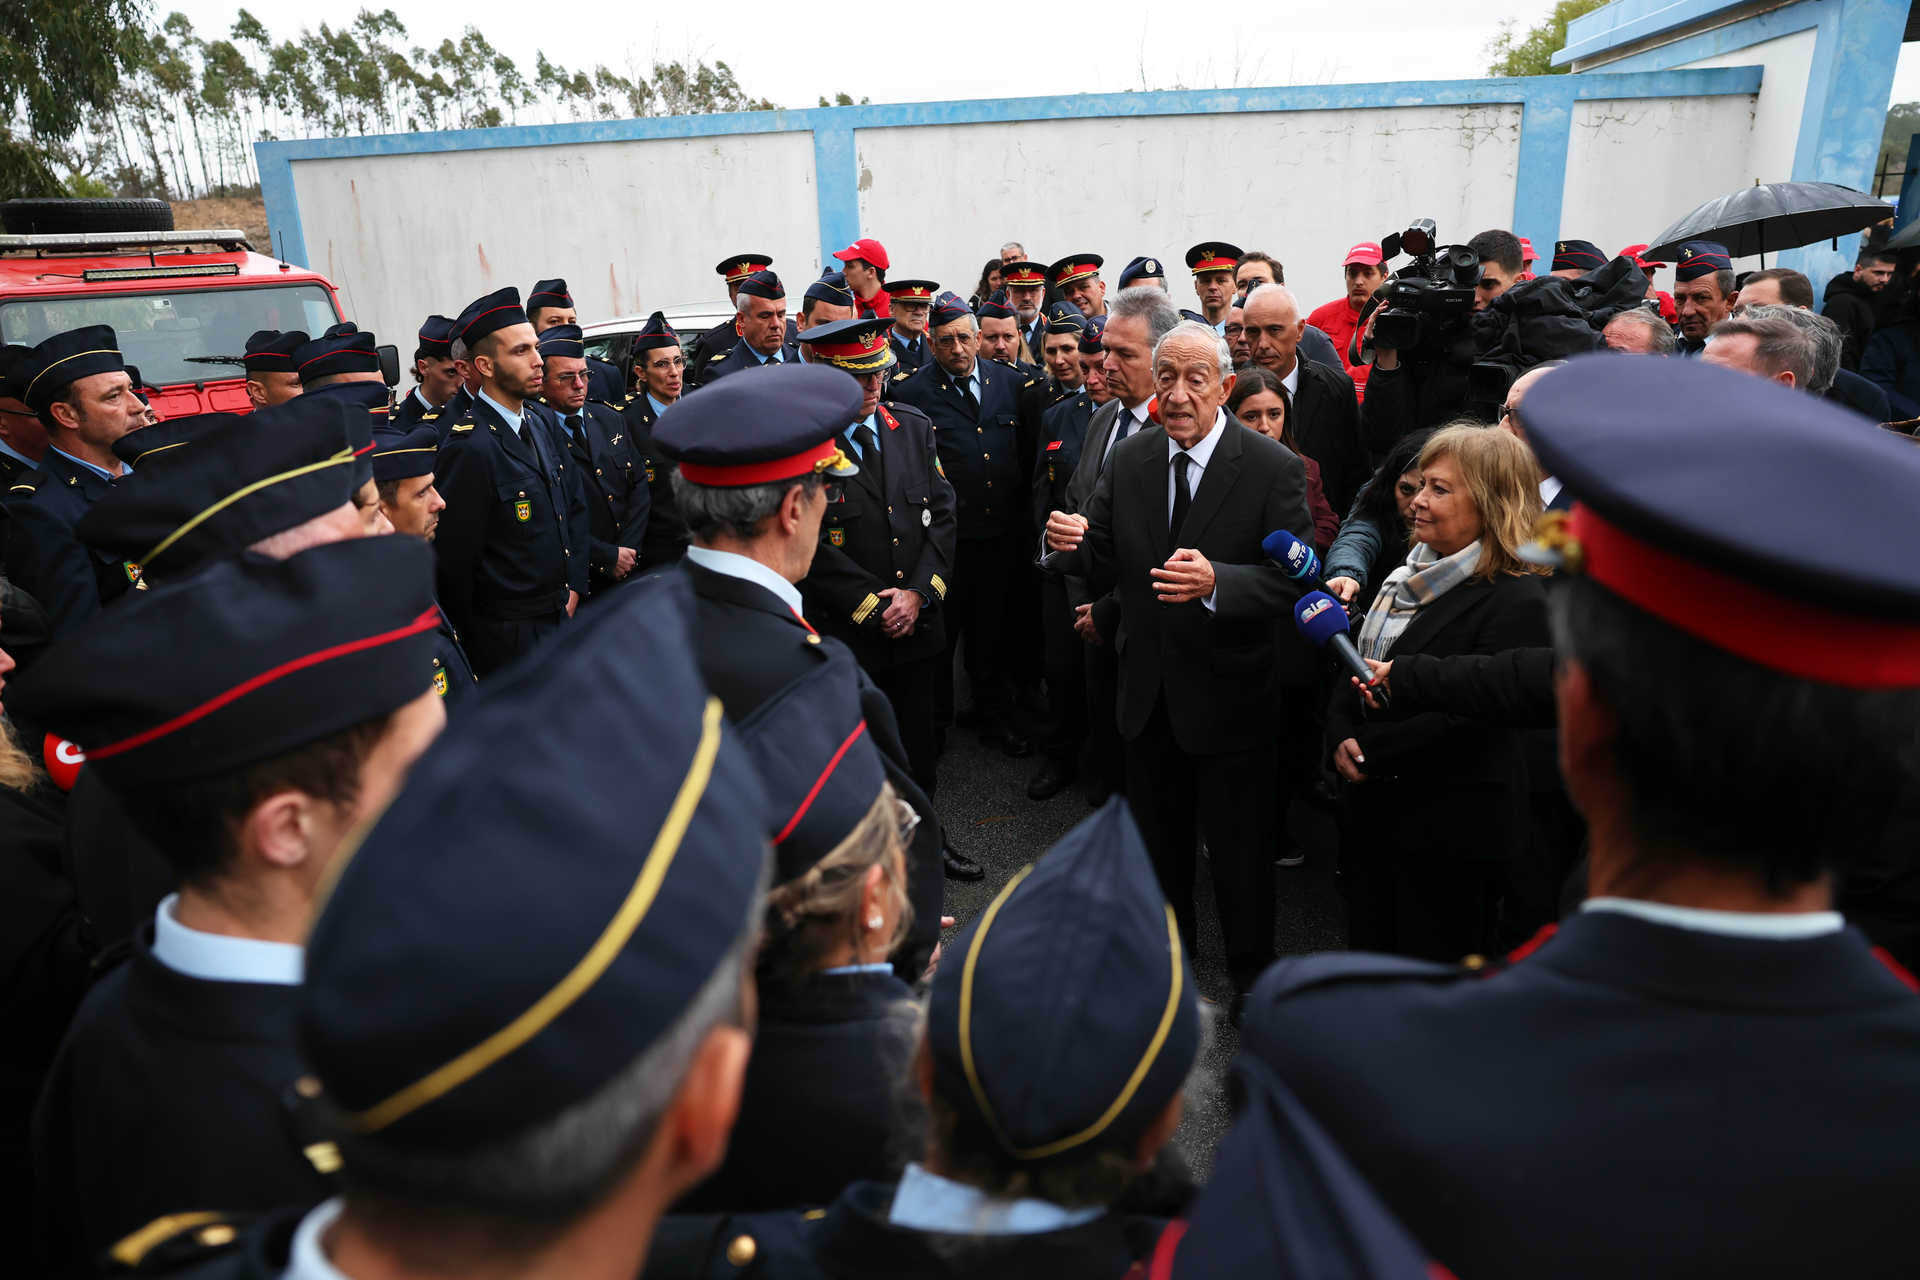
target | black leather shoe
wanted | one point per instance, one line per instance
(1049, 782)
(959, 866)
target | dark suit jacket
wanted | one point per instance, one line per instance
(1214, 667)
(1080, 486)
(1626, 1097)
(1326, 422)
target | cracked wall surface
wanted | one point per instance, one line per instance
(1636, 165)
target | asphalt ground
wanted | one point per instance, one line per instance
(983, 801)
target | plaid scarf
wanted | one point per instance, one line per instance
(1423, 579)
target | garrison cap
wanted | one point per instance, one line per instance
(422, 1040)
(831, 288)
(260, 656)
(341, 349)
(948, 308)
(1772, 528)
(1076, 266)
(563, 340)
(858, 346)
(913, 290)
(818, 764)
(1053, 1071)
(1283, 1200)
(13, 359)
(1141, 269)
(780, 423)
(1583, 255)
(549, 293)
(144, 442)
(866, 250)
(763, 284)
(655, 333)
(1213, 255)
(1023, 274)
(436, 337)
(1195, 316)
(271, 350)
(1090, 336)
(994, 308)
(1701, 258)
(498, 310)
(241, 480)
(400, 454)
(1064, 317)
(742, 265)
(47, 370)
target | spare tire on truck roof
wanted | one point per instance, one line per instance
(39, 217)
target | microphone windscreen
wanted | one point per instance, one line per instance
(1291, 554)
(1319, 617)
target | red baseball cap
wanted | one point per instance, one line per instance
(1637, 252)
(1526, 251)
(1366, 253)
(869, 250)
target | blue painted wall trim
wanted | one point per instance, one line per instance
(1545, 101)
(1856, 47)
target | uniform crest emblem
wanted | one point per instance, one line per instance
(132, 571)
(837, 536)
(440, 681)
(523, 511)
(649, 474)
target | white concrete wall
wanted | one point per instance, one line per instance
(1636, 165)
(630, 225)
(1303, 186)
(1783, 97)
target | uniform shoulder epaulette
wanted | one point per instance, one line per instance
(461, 428)
(26, 486)
(1029, 383)
(174, 1240)
(1294, 974)
(722, 356)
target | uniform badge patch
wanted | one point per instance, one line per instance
(440, 682)
(926, 517)
(837, 536)
(523, 511)
(132, 571)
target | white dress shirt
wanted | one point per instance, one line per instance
(219, 957)
(928, 1202)
(1198, 457)
(1549, 490)
(749, 569)
(1779, 926)
(1292, 381)
(307, 1258)
(1122, 428)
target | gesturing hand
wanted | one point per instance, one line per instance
(1187, 575)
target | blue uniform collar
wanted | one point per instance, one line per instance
(18, 456)
(82, 463)
(511, 418)
(217, 957)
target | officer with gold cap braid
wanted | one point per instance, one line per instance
(1048, 1103)
(719, 340)
(516, 1100)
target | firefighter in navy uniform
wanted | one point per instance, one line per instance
(659, 377)
(434, 370)
(879, 579)
(601, 446)
(975, 408)
(764, 331)
(912, 300)
(272, 377)
(77, 383)
(509, 575)
(403, 462)
(1063, 430)
(550, 304)
(719, 340)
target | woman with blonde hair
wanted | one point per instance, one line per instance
(1435, 808)
(821, 1107)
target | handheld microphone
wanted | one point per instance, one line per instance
(1321, 620)
(1295, 558)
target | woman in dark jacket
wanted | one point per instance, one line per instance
(822, 1107)
(1436, 803)
(1373, 539)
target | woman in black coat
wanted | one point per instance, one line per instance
(1435, 806)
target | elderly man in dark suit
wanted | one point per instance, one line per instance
(1326, 415)
(1174, 530)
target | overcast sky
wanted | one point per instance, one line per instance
(792, 51)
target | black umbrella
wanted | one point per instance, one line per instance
(1906, 238)
(1767, 219)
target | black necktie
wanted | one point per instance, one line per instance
(573, 426)
(526, 435)
(965, 387)
(869, 447)
(1182, 495)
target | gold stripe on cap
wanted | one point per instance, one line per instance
(598, 959)
(338, 460)
(97, 351)
(1134, 1080)
(159, 448)
(395, 453)
(131, 1251)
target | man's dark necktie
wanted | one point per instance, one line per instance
(965, 387)
(573, 427)
(1182, 494)
(869, 447)
(526, 435)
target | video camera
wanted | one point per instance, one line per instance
(1427, 305)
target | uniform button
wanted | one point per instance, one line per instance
(899, 573)
(979, 431)
(889, 510)
(896, 542)
(987, 457)
(741, 1250)
(989, 484)
(1475, 963)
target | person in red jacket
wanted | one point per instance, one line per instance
(1366, 271)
